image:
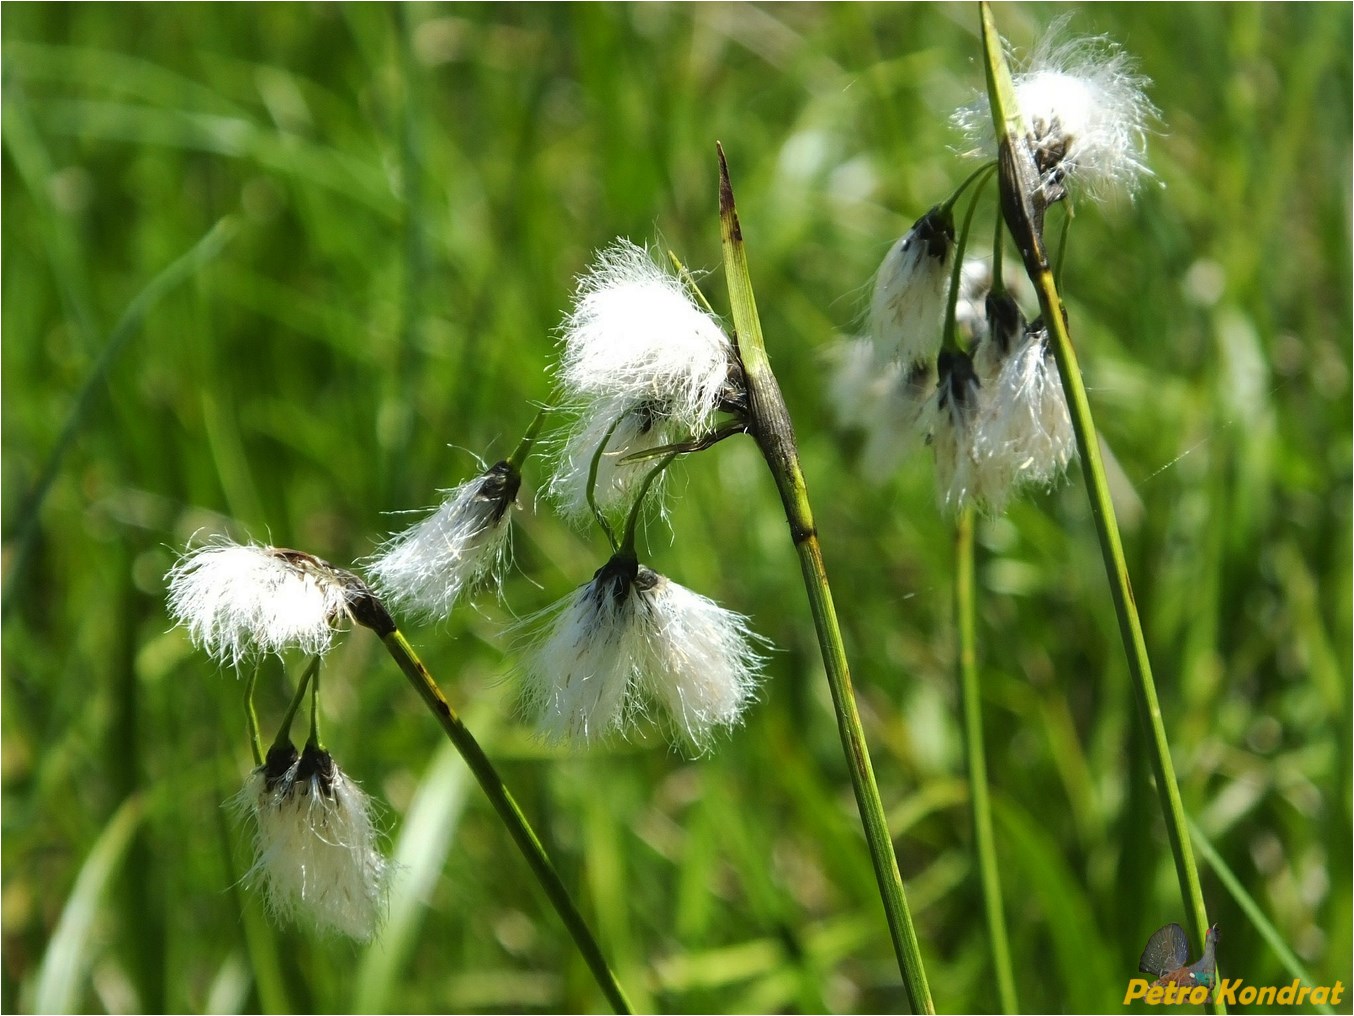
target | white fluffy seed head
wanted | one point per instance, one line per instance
(702, 665)
(1088, 114)
(952, 415)
(910, 287)
(317, 852)
(636, 335)
(1003, 329)
(242, 600)
(1025, 430)
(459, 547)
(577, 673)
(629, 639)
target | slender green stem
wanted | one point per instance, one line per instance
(284, 729)
(632, 520)
(519, 456)
(251, 716)
(770, 425)
(984, 841)
(953, 199)
(1023, 212)
(593, 468)
(690, 280)
(314, 738)
(518, 826)
(948, 338)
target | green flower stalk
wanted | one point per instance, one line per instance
(769, 423)
(980, 806)
(1025, 196)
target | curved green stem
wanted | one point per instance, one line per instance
(632, 520)
(1022, 208)
(690, 280)
(769, 423)
(251, 716)
(519, 456)
(984, 841)
(513, 818)
(952, 200)
(314, 739)
(948, 338)
(594, 466)
(284, 730)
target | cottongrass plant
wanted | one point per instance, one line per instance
(317, 851)
(317, 854)
(646, 374)
(988, 402)
(1087, 112)
(910, 289)
(1008, 411)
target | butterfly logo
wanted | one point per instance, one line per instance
(1167, 958)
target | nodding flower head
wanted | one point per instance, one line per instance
(636, 335)
(317, 855)
(953, 415)
(461, 545)
(240, 600)
(910, 289)
(1088, 115)
(1026, 431)
(631, 638)
(998, 421)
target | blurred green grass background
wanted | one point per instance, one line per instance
(410, 192)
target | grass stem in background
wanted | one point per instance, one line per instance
(523, 835)
(1020, 192)
(176, 272)
(984, 842)
(770, 425)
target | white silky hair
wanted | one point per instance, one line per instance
(241, 600)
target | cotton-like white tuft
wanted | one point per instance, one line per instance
(952, 414)
(317, 852)
(239, 600)
(630, 639)
(1025, 430)
(908, 302)
(636, 335)
(577, 672)
(461, 545)
(702, 665)
(1087, 109)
